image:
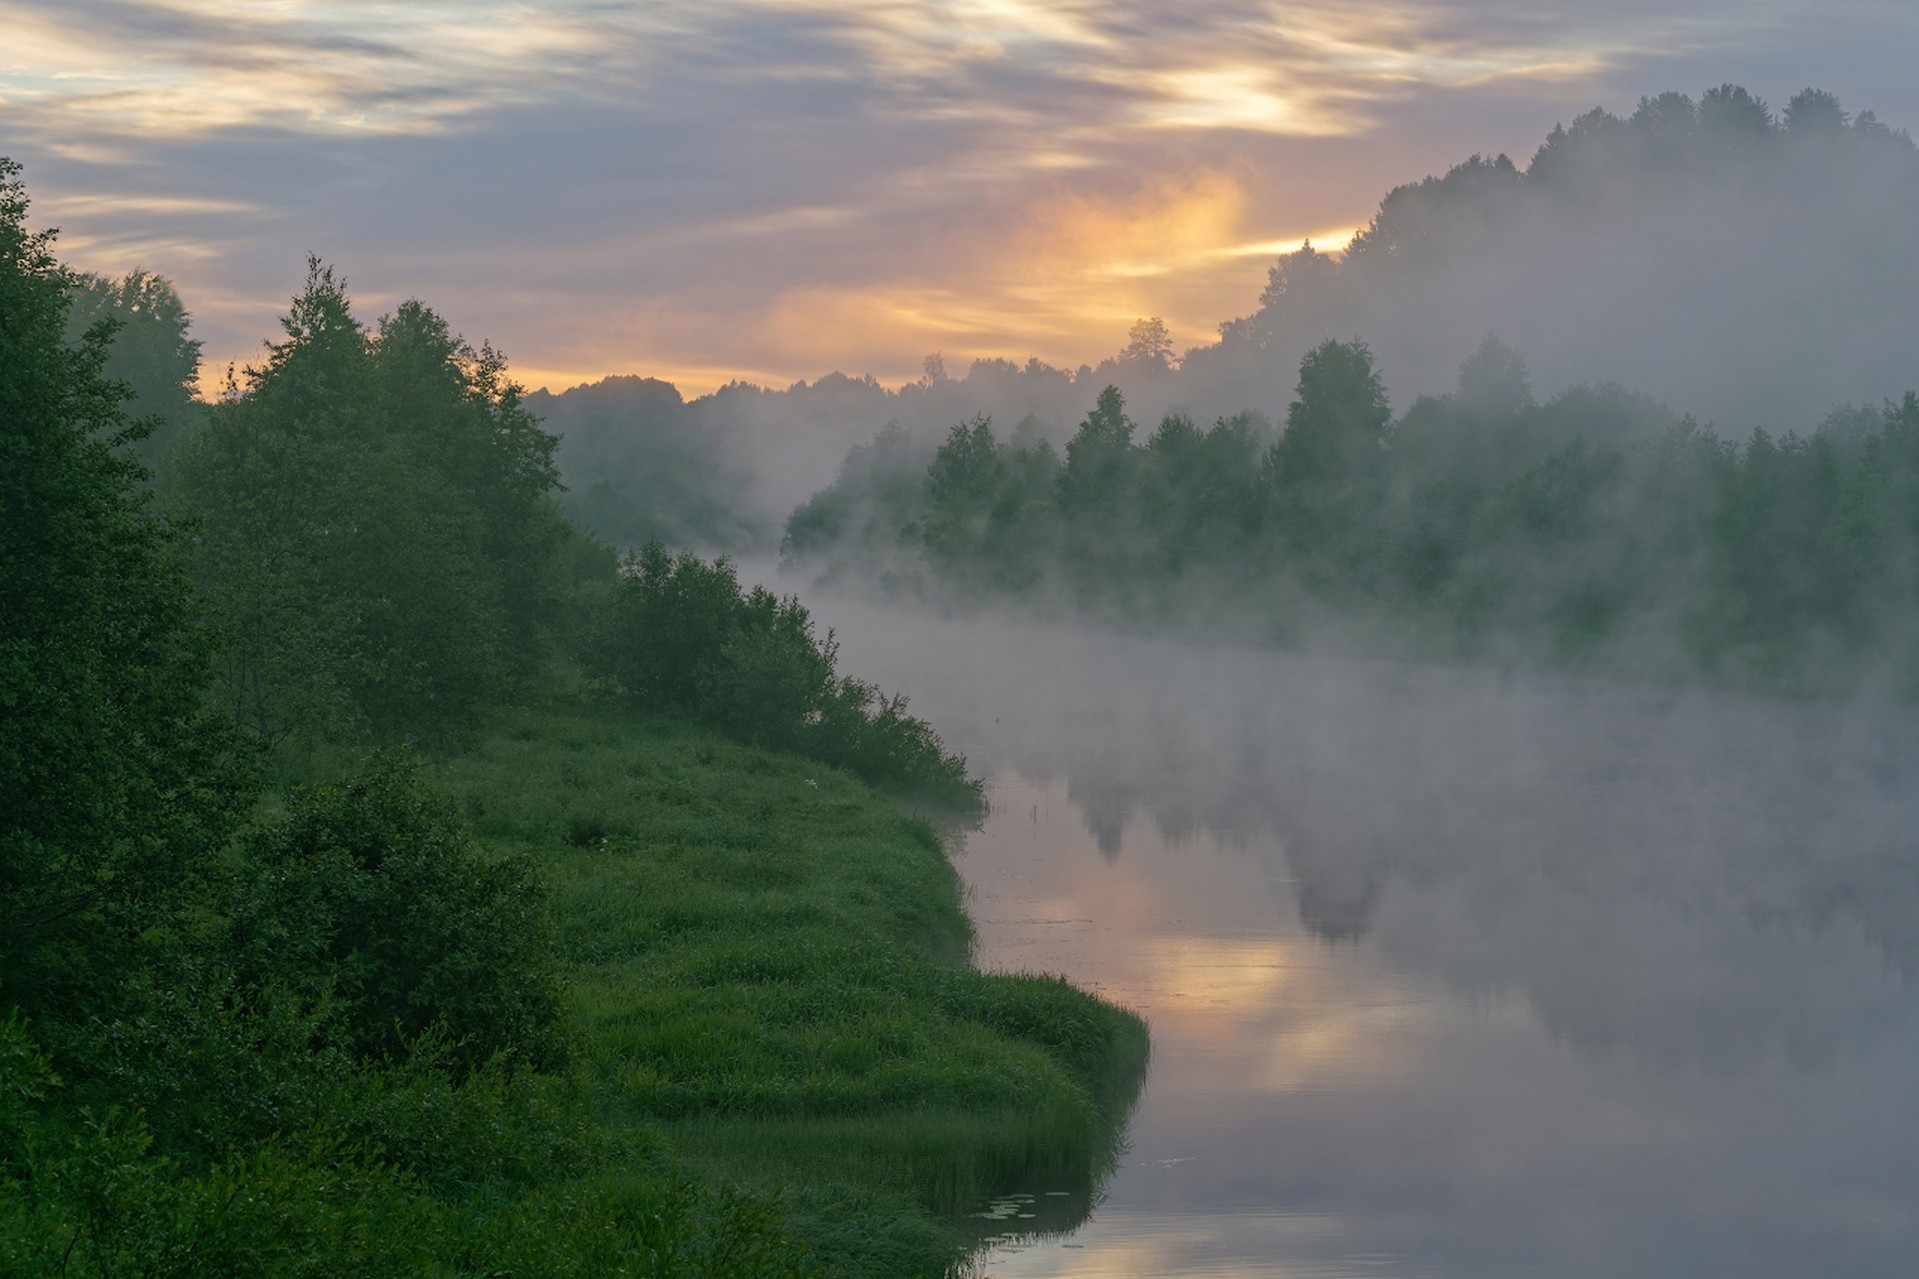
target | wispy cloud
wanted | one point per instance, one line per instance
(781, 186)
(168, 69)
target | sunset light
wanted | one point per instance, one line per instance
(1032, 639)
(994, 177)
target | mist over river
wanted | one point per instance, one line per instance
(1450, 973)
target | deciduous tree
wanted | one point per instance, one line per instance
(117, 783)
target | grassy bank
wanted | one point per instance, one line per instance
(746, 1044)
(317, 1030)
(767, 974)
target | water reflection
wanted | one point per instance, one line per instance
(1450, 973)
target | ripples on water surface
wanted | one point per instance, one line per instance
(1449, 973)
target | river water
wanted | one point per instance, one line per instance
(1450, 973)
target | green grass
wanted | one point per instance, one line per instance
(767, 972)
(773, 1059)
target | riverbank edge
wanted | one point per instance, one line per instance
(768, 970)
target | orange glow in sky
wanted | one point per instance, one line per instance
(776, 189)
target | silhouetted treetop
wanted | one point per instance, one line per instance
(149, 349)
(1149, 345)
(1599, 153)
(1625, 249)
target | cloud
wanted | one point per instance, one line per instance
(672, 185)
(160, 70)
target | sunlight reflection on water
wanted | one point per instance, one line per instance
(1449, 973)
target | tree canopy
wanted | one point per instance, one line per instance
(149, 350)
(116, 776)
(375, 524)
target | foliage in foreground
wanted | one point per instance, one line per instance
(335, 1036)
(780, 1061)
(770, 963)
(370, 895)
(85, 1194)
(116, 779)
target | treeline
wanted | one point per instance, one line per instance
(372, 527)
(320, 1033)
(720, 472)
(1603, 174)
(373, 523)
(1594, 529)
(640, 464)
(1622, 250)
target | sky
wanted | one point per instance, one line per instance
(704, 190)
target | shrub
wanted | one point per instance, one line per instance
(684, 639)
(373, 890)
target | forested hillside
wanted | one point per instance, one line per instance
(1744, 266)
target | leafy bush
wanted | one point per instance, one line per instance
(211, 1063)
(88, 1194)
(684, 639)
(372, 890)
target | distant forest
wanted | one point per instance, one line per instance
(1746, 267)
(1596, 528)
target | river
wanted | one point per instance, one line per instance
(1449, 973)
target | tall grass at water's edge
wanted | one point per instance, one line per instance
(767, 966)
